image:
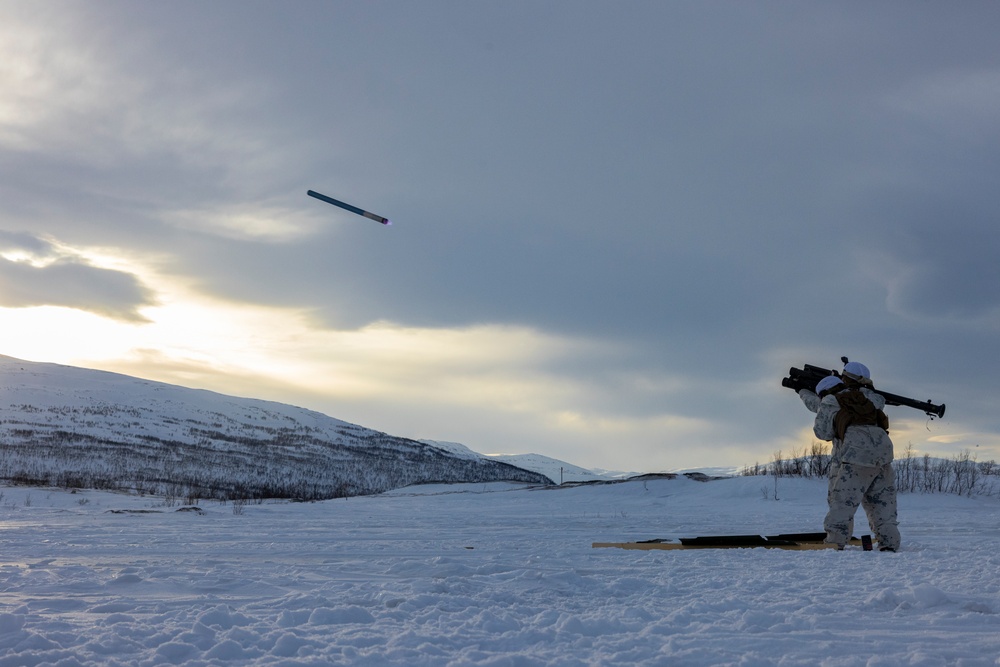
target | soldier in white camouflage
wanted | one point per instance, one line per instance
(812, 400)
(850, 416)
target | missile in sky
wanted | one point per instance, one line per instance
(348, 207)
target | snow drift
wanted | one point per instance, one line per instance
(484, 575)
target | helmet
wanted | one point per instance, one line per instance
(827, 383)
(857, 372)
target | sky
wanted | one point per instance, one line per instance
(615, 226)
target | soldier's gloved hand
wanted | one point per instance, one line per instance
(810, 399)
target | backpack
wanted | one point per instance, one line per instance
(856, 409)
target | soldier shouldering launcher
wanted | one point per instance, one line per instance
(849, 414)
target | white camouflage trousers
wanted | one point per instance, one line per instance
(875, 487)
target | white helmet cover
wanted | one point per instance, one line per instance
(858, 372)
(829, 382)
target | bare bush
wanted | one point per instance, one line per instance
(961, 474)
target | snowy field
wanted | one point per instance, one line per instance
(491, 575)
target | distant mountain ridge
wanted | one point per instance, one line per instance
(556, 470)
(74, 427)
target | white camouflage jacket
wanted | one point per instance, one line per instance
(862, 445)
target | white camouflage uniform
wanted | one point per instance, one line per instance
(812, 403)
(860, 474)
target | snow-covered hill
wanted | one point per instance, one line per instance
(454, 448)
(556, 470)
(75, 427)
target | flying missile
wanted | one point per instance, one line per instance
(348, 207)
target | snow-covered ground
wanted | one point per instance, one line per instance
(491, 575)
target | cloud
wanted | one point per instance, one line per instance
(107, 140)
(26, 247)
(38, 272)
(940, 273)
(957, 103)
(666, 206)
(251, 221)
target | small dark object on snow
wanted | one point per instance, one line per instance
(793, 541)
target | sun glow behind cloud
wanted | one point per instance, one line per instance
(439, 382)
(259, 222)
(458, 383)
(443, 383)
(499, 383)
